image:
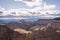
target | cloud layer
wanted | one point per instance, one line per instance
(37, 9)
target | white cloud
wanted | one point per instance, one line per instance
(39, 4)
(1, 9)
(36, 14)
(13, 18)
(31, 3)
(48, 7)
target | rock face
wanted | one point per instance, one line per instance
(4, 32)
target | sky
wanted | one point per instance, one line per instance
(29, 8)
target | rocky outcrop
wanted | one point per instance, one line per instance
(16, 34)
(4, 32)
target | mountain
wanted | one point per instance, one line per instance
(20, 24)
(57, 18)
(42, 22)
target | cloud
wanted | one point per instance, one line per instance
(13, 18)
(48, 7)
(1, 11)
(37, 4)
(36, 14)
(28, 13)
(31, 3)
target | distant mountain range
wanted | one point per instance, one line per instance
(57, 18)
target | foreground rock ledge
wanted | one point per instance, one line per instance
(8, 34)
